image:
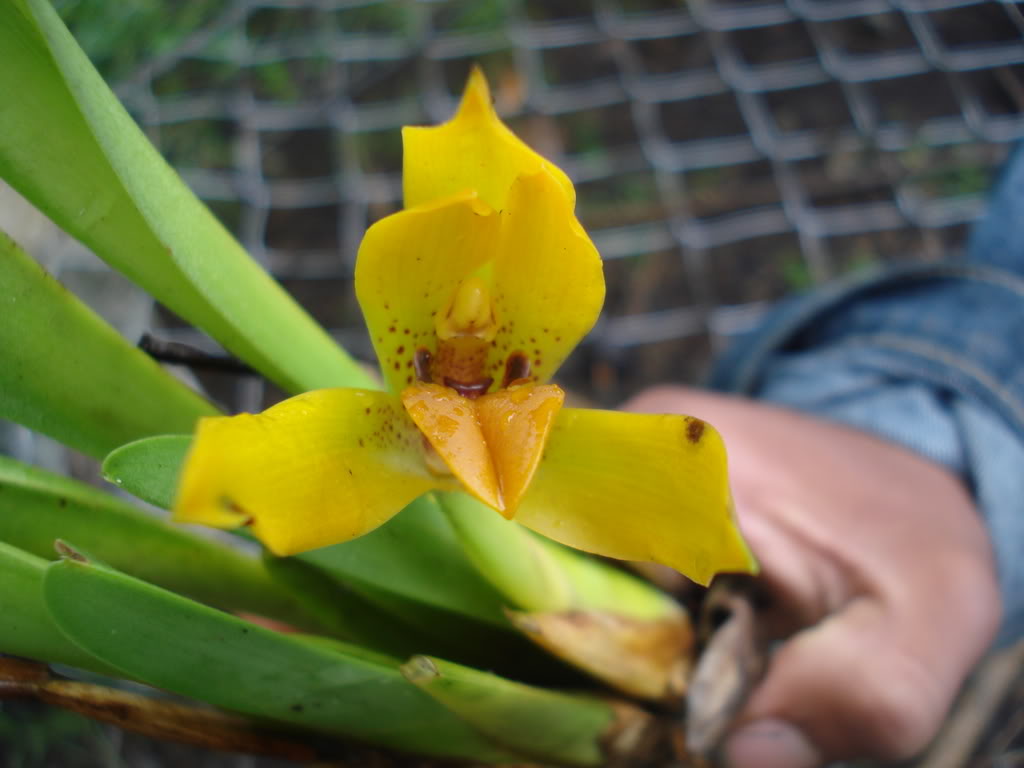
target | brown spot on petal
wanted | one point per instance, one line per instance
(694, 429)
(516, 367)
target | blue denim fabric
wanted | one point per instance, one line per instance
(928, 356)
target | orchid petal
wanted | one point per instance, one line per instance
(474, 150)
(643, 487)
(449, 422)
(409, 265)
(515, 424)
(548, 279)
(317, 469)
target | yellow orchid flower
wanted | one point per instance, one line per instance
(473, 295)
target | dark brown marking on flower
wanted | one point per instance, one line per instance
(362, 444)
(517, 366)
(398, 365)
(406, 331)
(400, 350)
(368, 411)
(471, 390)
(694, 429)
(408, 379)
(391, 329)
(421, 361)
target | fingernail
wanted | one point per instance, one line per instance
(770, 744)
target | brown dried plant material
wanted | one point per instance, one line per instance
(635, 738)
(730, 666)
(647, 659)
(158, 719)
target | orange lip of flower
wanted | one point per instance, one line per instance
(473, 296)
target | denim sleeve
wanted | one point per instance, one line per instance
(928, 356)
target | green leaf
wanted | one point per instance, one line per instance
(539, 575)
(549, 725)
(415, 555)
(68, 374)
(69, 147)
(148, 468)
(180, 646)
(26, 628)
(37, 507)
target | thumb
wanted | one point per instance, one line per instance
(857, 684)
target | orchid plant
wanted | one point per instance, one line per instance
(387, 580)
(473, 295)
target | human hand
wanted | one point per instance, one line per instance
(881, 577)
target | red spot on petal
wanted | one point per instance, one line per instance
(400, 350)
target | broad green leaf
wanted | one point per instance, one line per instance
(184, 647)
(37, 507)
(415, 555)
(68, 374)
(349, 613)
(549, 725)
(100, 179)
(148, 468)
(26, 628)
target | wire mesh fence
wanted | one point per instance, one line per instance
(725, 152)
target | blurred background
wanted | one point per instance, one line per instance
(725, 152)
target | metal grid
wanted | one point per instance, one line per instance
(724, 152)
